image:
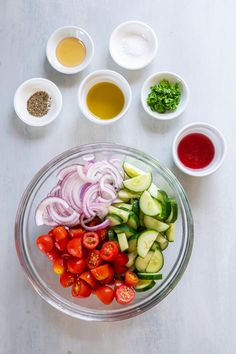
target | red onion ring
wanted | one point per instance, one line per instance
(103, 225)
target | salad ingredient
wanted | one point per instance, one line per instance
(59, 266)
(105, 294)
(39, 104)
(149, 276)
(81, 289)
(94, 259)
(139, 183)
(149, 205)
(131, 278)
(60, 233)
(61, 244)
(142, 263)
(76, 232)
(90, 240)
(145, 242)
(156, 262)
(164, 97)
(144, 285)
(67, 279)
(88, 278)
(74, 247)
(70, 51)
(102, 272)
(124, 294)
(154, 224)
(170, 233)
(53, 254)
(118, 283)
(76, 265)
(109, 251)
(123, 243)
(45, 243)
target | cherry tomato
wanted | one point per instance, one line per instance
(94, 222)
(102, 272)
(121, 259)
(109, 251)
(118, 283)
(94, 259)
(105, 294)
(60, 233)
(90, 240)
(76, 232)
(67, 279)
(88, 278)
(53, 254)
(76, 265)
(124, 294)
(61, 244)
(119, 269)
(81, 289)
(59, 266)
(74, 247)
(131, 278)
(110, 277)
(102, 234)
(45, 243)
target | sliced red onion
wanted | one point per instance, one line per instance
(65, 171)
(103, 225)
(39, 216)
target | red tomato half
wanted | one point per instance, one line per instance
(119, 269)
(94, 259)
(124, 294)
(110, 277)
(53, 254)
(61, 244)
(59, 266)
(105, 294)
(109, 251)
(102, 272)
(118, 283)
(74, 247)
(81, 289)
(121, 259)
(76, 232)
(60, 233)
(76, 265)
(88, 278)
(45, 243)
(67, 279)
(90, 240)
(102, 234)
(131, 278)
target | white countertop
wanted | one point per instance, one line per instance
(196, 40)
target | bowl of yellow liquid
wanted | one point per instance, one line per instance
(104, 96)
(70, 49)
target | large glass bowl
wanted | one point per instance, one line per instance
(39, 270)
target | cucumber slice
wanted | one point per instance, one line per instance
(156, 262)
(155, 246)
(133, 220)
(154, 224)
(132, 256)
(170, 233)
(145, 242)
(141, 217)
(111, 235)
(148, 205)
(150, 276)
(142, 263)
(139, 183)
(153, 190)
(127, 230)
(123, 214)
(126, 195)
(132, 245)
(163, 242)
(174, 211)
(115, 219)
(144, 285)
(123, 206)
(131, 170)
(135, 206)
(123, 243)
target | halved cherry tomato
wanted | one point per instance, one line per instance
(124, 294)
(131, 278)
(119, 269)
(53, 254)
(74, 247)
(76, 265)
(45, 243)
(110, 277)
(81, 289)
(118, 283)
(88, 278)
(61, 244)
(121, 259)
(94, 259)
(109, 251)
(76, 232)
(102, 234)
(90, 240)
(105, 294)
(60, 233)
(67, 279)
(59, 266)
(102, 272)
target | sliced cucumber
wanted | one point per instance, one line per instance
(150, 276)
(139, 183)
(123, 206)
(132, 244)
(163, 242)
(154, 224)
(155, 246)
(133, 220)
(129, 231)
(115, 219)
(135, 206)
(153, 190)
(170, 233)
(145, 242)
(131, 170)
(144, 285)
(123, 214)
(123, 243)
(132, 256)
(142, 263)
(126, 195)
(156, 262)
(174, 211)
(148, 205)
(141, 217)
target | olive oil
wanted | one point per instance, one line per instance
(105, 100)
(70, 51)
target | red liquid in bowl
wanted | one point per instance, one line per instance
(196, 151)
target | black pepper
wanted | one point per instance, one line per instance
(39, 104)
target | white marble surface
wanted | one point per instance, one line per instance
(196, 40)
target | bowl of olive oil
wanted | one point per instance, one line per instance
(104, 96)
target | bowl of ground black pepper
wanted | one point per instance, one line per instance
(38, 102)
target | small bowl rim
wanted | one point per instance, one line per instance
(59, 100)
(204, 171)
(65, 69)
(86, 113)
(123, 24)
(170, 115)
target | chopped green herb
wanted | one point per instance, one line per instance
(164, 97)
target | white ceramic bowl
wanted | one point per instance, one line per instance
(154, 79)
(103, 76)
(26, 90)
(133, 45)
(64, 32)
(214, 135)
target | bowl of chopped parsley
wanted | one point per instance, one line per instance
(164, 95)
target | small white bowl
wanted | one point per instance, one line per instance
(133, 45)
(103, 76)
(64, 32)
(153, 80)
(214, 135)
(26, 90)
